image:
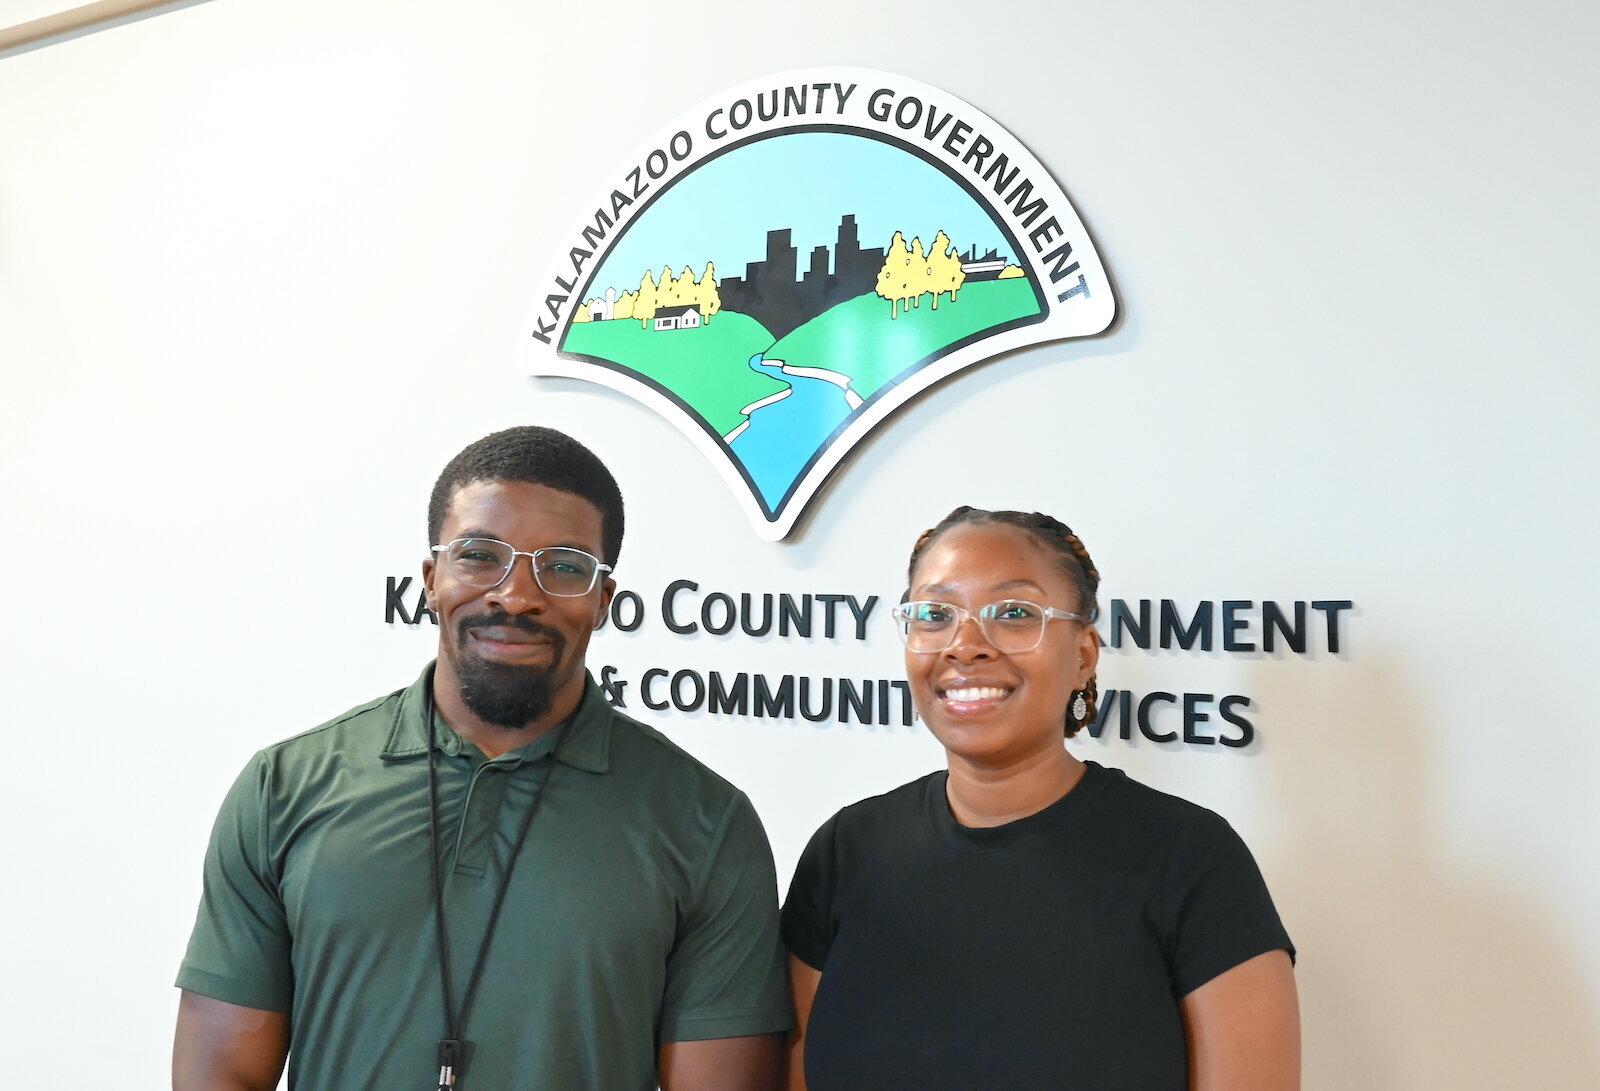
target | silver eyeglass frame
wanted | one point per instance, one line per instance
(901, 614)
(600, 567)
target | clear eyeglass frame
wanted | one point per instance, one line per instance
(1010, 636)
(548, 571)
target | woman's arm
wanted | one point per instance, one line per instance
(1243, 1028)
(803, 982)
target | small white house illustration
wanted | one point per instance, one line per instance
(678, 318)
(604, 310)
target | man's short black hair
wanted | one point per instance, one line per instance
(539, 456)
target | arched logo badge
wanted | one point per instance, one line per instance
(786, 264)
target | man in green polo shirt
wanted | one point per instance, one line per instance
(489, 880)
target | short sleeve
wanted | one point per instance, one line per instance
(808, 927)
(725, 976)
(239, 951)
(1215, 905)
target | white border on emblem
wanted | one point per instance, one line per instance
(1080, 314)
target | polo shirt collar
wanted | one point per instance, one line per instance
(585, 743)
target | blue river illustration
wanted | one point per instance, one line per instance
(786, 434)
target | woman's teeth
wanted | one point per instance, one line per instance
(975, 693)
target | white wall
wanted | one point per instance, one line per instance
(260, 268)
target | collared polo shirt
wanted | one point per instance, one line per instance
(643, 908)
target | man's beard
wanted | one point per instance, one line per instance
(507, 696)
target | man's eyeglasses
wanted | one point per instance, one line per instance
(1010, 625)
(484, 562)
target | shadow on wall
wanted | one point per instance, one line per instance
(1415, 975)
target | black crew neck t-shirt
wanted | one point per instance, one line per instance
(1048, 952)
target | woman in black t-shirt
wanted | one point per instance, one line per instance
(1024, 919)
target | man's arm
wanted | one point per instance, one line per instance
(1243, 1028)
(803, 982)
(224, 1047)
(725, 1009)
(723, 1064)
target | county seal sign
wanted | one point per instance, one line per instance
(783, 266)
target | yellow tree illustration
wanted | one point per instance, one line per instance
(918, 273)
(624, 307)
(894, 279)
(664, 288)
(706, 293)
(582, 313)
(944, 269)
(646, 302)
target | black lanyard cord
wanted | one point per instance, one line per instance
(450, 1052)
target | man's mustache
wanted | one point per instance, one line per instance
(509, 621)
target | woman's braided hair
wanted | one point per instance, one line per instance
(1068, 550)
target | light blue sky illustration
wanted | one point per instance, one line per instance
(803, 181)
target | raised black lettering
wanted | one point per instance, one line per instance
(1146, 728)
(1232, 624)
(861, 611)
(1122, 622)
(746, 609)
(795, 616)
(666, 606)
(728, 615)
(1102, 713)
(908, 710)
(644, 688)
(1274, 622)
(735, 700)
(779, 702)
(627, 611)
(1332, 607)
(1198, 628)
(394, 604)
(1247, 730)
(1193, 718)
(853, 700)
(805, 701)
(697, 688)
(830, 601)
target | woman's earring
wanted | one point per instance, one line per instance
(1080, 706)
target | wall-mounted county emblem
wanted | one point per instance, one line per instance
(783, 266)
